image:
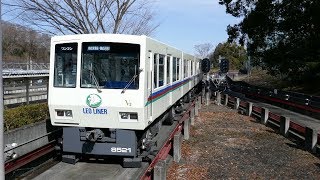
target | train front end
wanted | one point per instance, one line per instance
(96, 94)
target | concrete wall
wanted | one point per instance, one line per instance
(31, 132)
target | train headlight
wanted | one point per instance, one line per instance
(134, 116)
(128, 115)
(68, 113)
(64, 113)
(60, 113)
(124, 115)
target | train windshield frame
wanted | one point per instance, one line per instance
(107, 65)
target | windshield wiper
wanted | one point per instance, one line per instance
(131, 81)
(95, 80)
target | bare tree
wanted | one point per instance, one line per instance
(203, 50)
(22, 43)
(86, 16)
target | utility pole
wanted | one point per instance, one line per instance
(2, 173)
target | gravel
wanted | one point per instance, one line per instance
(226, 145)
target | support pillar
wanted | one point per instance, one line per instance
(264, 115)
(226, 98)
(200, 102)
(284, 125)
(196, 108)
(219, 98)
(311, 138)
(192, 112)
(177, 142)
(186, 129)
(208, 98)
(203, 95)
(160, 170)
(249, 108)
(236, 103)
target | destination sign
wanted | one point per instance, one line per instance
(98, 48)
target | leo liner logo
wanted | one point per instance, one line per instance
(94, 100)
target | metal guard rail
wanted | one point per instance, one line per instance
(301, 102)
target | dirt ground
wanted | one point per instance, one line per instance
(226, 145)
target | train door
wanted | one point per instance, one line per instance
(169, 75)
(149, 66)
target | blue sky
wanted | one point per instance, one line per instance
(185, 23)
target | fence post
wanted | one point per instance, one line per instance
(284, 125)
(27, 83)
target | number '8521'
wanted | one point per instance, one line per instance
(121, 150)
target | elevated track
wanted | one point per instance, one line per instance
(246, 100)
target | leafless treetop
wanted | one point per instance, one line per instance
(86, 16)
(203, 50)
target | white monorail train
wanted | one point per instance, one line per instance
(111, 92)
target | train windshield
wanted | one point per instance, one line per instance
(65, 65)
(110, 65)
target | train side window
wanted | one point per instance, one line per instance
(178, 69)
(189, 68)
(155, 70)
(197, 67)
(185, 68)
(161, 70)
(168, 69)
(192, 68)
(174, 69)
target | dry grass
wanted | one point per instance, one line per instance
(227, 145)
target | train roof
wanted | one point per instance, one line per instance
(97, 37)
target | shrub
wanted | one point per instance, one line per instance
(24, 115)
